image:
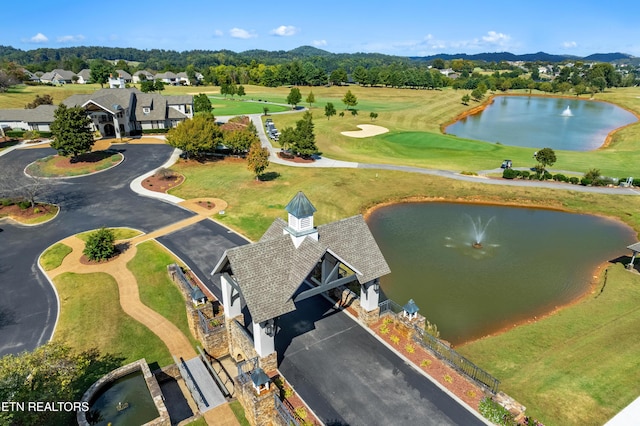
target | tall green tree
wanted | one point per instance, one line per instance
(72, 134)
(304, 143)
(196, 136)
(202, 103)
(239, 141)
(294, 97)
(240, 91)
(360, 75)
(329, 110)
(310, 98)
(350, 100)
(545, 157)
(100, 71)
(257, 159)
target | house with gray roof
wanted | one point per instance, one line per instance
(84, 76)
(38, 118)
(143, 75)
(118, 112)
(167, 78)
(58, 76)
(295, 260)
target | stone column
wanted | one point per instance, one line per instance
(370, 295)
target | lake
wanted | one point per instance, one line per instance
(531, 261)
(539, 122)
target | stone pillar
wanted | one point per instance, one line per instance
(263, 339)
(258, 408)
(230, 298)
(370, 295)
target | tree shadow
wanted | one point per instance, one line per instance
(269, 176)
(7, 317)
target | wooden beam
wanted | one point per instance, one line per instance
(324, 287)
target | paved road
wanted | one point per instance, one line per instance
(349, 378)
(28, 306)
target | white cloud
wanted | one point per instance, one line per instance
(285, 31)
(493, 37)
(319, 43)
(218, 33)
(569, 44)
(240, 33)
(70, 38)
(39, 38)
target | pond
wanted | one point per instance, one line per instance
(126, 401)
(530, 261)
(539, 122)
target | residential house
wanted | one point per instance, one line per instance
(39, 118)
(167, 78)
(58, 76)
(84, 76)
(123, 112)
(143, 75)
(124, 75)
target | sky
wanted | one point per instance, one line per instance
(399, 27)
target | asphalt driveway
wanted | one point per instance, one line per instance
(28, 306)
(349, 378)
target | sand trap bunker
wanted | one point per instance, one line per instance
(366, 130)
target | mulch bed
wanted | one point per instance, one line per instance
(207, 204)
(295, 159)
(19, 214)
(162, 184)
(457, 384)
(82, 160)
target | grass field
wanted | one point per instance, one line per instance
(242, 106)
(577, 367)
(119, 234)
(157, 291)
(91, 316)
(49, 167)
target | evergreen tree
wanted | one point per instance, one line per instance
(329, 110)
(294, 97)
(350, 100)
(202, 103)
(72, 134)
(100, 245)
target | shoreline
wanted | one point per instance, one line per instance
(596, 273)
(491, 99)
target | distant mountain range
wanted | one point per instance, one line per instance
(158, 58)
(529, 57)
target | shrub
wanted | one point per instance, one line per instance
(636, 182)
(496, 413)
(395, 339)
(585, 181)
(24, 204)
(425, 363)
(560, 178)
(509, 174)
(100, 245)
(387, 321)
(525, 174)
(448, 378)
(152, 131)
(409, 348)
(164, 173)
(384, 329)
(6, 202)
(301, 412)
(546, 176)
(432, 329)
(574, 180)
(471, 393)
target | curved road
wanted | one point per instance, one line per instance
(28, 307)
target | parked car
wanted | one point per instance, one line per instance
(506, 164)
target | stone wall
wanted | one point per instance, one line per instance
(152, 385)
(240, 343)
(258, 409)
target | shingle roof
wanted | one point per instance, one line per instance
(179, 99)
(40, 114)
(270, 271)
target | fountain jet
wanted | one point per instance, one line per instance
(479, 230)
(567, 112)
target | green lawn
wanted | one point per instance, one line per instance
(91, 316)
(578, 366)
(99, 160)
(242, 106)
(119, 234)
(157, 291)
(54, 255)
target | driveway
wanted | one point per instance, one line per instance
(348, 377)
(29, 307)
(202, 245)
